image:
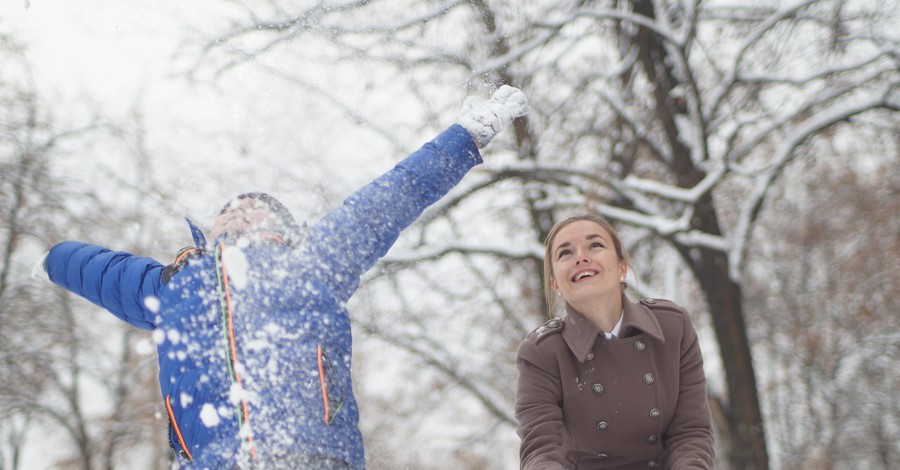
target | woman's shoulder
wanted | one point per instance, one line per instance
(672, 316)
(658, 305)
(550, 328)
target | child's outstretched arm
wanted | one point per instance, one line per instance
(352, 238)
(120, 282)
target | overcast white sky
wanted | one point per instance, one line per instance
(119, 56)
(107, 46)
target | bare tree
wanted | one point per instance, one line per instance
(678, 120)
(827, 320)
(60, 376)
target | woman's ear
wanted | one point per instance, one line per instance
(554, 285)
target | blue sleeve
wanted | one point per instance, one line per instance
(117, 281)
(353, 237)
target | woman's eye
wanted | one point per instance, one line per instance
(563, 253)
(596, 245)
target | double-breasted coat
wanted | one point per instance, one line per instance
(638, 401)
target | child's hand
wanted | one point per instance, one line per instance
(485, 120)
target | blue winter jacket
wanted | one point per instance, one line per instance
(253, 334)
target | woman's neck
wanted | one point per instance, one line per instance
(603, 312)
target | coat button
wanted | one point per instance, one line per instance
(590, 355)
(597, 388)
(649, 301)
(653, 439)
(553, 323)
(649, 378)
(655, 414)
(602, 425)
(652, 463)
(640, 345)
(602, 455)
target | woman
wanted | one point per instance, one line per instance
(614, 384)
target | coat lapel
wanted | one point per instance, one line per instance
(638, 316)
(580, 334)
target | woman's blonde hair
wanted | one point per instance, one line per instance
(548, 248)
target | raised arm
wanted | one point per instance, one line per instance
(351, 239)
(117, 281)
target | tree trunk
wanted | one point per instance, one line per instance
(746, 447)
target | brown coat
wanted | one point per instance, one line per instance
(639, 401)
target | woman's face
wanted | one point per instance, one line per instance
(242, 215)
(585, 266)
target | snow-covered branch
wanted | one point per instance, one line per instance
(816, 74)
(656, 27)
(496, 63)
(679, 229)
(434, 251)
(674, 193)
(725, 86)
(446, 364)
(405, 24)
(874, 99)
(784, 154)
(640, 130)
(676, 229)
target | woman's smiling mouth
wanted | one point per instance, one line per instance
(581, 275)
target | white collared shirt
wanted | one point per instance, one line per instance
(617, 330)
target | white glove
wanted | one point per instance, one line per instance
(485, 120)
(39, 270)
